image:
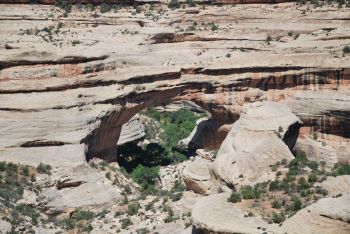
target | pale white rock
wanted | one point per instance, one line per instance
(131, 131)
(328, 215)
(199, 177)
(317, 151)
(29, 197)
(5, 227)
(92, 189)
(336, 185)
(213, 214)
(255, 142)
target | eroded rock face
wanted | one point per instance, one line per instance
(199, 177)
(82, 186)
(256, 141)
(131, 131)
(74, 92)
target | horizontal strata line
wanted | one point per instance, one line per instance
(134, 96)
(101, 83)
(64, 60)
(172, 76)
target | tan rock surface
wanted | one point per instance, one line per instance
(325, 216)
(213, 214)
(337, 185)
(79, 85)
(256, 141)
(199, 177)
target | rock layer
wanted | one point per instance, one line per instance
(76, 86)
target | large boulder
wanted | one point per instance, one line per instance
(199, 177)
(328, 215)
(83, 186)
(336, 185)
(317, 151)
(213, 214)
(264, 135)
(132, 130)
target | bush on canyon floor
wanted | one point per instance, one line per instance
(346, 49)
(133, 209)
(13, 180)
(44, 169)
(145, 176)
(249, 192)
(191, 3)
(234, 197)
(278, 217)
(126, 223)
(174, 4)
(105, 7)
(64, 5)
(341, 169)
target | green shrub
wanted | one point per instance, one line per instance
(191, 3)
(341, 169)
(268, 39)
(322, 191)
(145, 176)
(296, 204)
(313, 165)
(28, 211)
(25, 170)
(274, 185)
(105, 7)
(312, 178)
(248, 192)
(3, 166)
(235, 197)
(44, 169)
(278, 217)
(118, 213)
(276, 204)
(174, 4)
(346, 49)
(175, 196)
(133, 209)
(214, 27)
(68, 223)
(84, 215)
(64, 5)
(108, 175)
(126, 222)
(302, 184)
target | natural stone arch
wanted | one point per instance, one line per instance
(102, 141)
(224, 102)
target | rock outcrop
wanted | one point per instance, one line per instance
(131, 131)
(199, 177)
(337, 185)
(259, 139)
(213, 214)
(317, 151)
(83, 186)
(328, 215)
(69, 84)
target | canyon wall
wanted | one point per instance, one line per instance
(71, 83)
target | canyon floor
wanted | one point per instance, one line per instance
(175, 117)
